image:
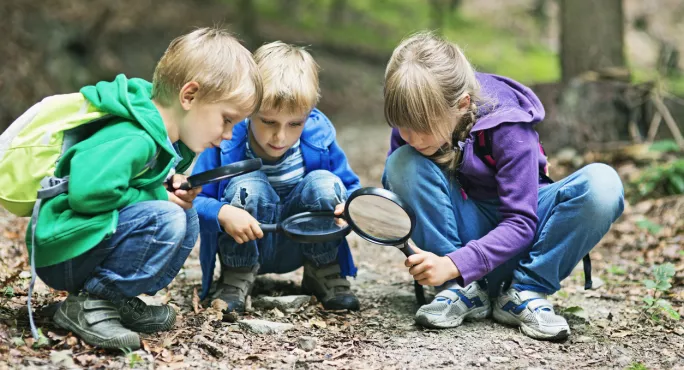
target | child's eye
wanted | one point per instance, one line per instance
(295, 124)
(227, 121)
(268, 122)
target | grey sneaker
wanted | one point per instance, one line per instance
(96, 321)
(234, 286)
(532, 313)
(453, 305)
(138, 316)
(331, 289)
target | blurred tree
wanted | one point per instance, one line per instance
(592, 37)
(248, 22)
(439, 9)
(290, 8)
(337, 13)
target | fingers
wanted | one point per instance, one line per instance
(339, 209)
(415, 259)
(256, 230)
(420, 268)
(182, 203)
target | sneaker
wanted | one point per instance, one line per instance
(329, 287)
(235, 285)
(96, 321)
(138, 316)
(453, 305)
(532, 313)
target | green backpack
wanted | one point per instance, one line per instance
(30, 149)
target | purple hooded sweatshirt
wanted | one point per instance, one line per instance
(511, 110)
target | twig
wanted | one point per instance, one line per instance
(343, 352)
(654, 126)
(671, 124)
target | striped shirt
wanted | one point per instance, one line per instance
(284, 174)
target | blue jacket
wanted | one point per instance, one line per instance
(319, 151)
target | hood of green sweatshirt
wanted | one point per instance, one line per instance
(130, 99)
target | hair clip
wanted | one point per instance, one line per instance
(460, 146)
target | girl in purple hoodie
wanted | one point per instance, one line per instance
(481, 226)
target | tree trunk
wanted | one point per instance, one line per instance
(337, 12)
(592, 36)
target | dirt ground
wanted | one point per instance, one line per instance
(608, 332)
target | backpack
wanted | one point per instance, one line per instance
(483, 149)
(30, 149)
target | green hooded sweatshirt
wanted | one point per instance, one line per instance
(107, 172)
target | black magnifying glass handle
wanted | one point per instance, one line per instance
(269, 228)
(407, 250)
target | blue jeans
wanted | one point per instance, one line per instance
(574, 214)
(151, 243)
(318, 191)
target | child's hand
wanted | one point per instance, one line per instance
(339, 209)
(187, 196)
(429, 269)
(239, 224)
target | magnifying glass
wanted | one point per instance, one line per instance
(376, 215)
(218, 174)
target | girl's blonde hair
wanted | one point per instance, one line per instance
(290, 77)
(426, 79)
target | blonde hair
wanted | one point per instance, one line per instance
(215, 59)
(425, 80)
(290, 77)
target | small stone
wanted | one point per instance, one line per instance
(482, 360)
(498, 360)
(290, 359)
(24, 274)
(288, 303)
(307, 343)
(264, 327)
(583, 339)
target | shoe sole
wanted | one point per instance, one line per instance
(506, 318)
(130, 340)
(476, 314)
(154, 328)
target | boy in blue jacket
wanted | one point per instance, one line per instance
(304, 170)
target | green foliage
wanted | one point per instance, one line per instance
(8, 292)
(42, 341)
(637, 366)
(617, 270)
(133, 357)
(648, 225)
(658, 180)
(656, 307)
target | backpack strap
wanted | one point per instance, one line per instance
(483, 149)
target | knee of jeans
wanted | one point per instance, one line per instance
(323, 189)
(250, 191)
(403, 167)
(170, 222)
(605, 193)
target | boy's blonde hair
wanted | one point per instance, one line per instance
(425, 80)
(215, 59)
(290, 77)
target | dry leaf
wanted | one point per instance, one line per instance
(195, 301)
(318, 323)
(219, 304)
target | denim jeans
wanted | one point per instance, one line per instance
(318, 191)
(151, 243)
(574, 214)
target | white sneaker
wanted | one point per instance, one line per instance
(532, 313)
(453, 305)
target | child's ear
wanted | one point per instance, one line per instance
(188, 94)
(464, 102)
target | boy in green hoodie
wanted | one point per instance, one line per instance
(118, 232)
